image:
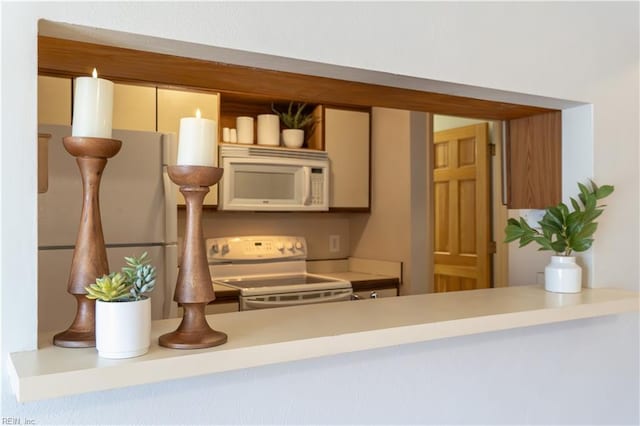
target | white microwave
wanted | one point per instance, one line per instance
(278, 179)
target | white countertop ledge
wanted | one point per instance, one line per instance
(279, 335)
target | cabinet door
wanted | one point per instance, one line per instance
(134, 107)
(347, 141)
(534, 170)
(175, 104)
(54, 100)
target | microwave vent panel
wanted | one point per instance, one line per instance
(255, 151)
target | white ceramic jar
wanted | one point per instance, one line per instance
(268, 129)
(244, 126)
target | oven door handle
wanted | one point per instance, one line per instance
(259, 304)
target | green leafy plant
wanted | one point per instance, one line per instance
(298, 119)
(561, 230)
(137, 278)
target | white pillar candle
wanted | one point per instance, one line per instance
(92, 107)
(197, 141)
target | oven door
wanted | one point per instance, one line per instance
(248, 303)
(259, 184)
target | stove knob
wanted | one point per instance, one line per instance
(225, 249)
(290, 246)
(214, 248)
(298, 245)
(280, 246)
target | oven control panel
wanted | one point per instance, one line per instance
(262, 247)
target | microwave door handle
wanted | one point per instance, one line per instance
(306, 200)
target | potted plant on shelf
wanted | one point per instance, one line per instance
(564, 232)
(123, 311)
(295, 122)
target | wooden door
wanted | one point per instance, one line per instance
(462, 209)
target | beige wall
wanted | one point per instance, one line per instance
(315, 227)
(385, 233)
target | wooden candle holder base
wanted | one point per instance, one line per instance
(89, 256)
(194, 332)
(194, 289)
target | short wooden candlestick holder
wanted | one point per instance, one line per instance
(89, 256)
(194, 289)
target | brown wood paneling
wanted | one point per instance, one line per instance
(534, 150)
(59, 57)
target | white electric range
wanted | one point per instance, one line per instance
(270, 272)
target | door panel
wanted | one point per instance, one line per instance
(462, 209)
(441, 195)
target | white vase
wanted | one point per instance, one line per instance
(293, 138)
(268, 129)
(563, 275)
(123, 329)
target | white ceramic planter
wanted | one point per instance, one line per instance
(563, 275)
(268, 129)
(123, 329)
(293, 138)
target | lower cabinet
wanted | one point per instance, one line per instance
(217, 308)
(221, 308)
(376, 294)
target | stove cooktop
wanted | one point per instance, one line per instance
(283, 283)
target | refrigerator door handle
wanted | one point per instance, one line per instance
(170, 308)
(169, 152)
(170, 209)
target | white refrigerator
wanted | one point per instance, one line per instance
(138, 211)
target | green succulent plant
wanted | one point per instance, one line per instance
(109, 288)
(561, 230)
(140, 274)
(137, 278)
(298, 119)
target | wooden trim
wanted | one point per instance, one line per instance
(499, 215)
(351, 209)
(430, 219)
(60, 57)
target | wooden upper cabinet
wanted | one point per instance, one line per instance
(134, 107)
(534, 161)
(54, 100)
(347, 140)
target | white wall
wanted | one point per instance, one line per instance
(576, 51)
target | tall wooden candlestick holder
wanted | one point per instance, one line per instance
(194, 289)
(90, 256)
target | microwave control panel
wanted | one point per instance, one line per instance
(317, 186)
(255, 247)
